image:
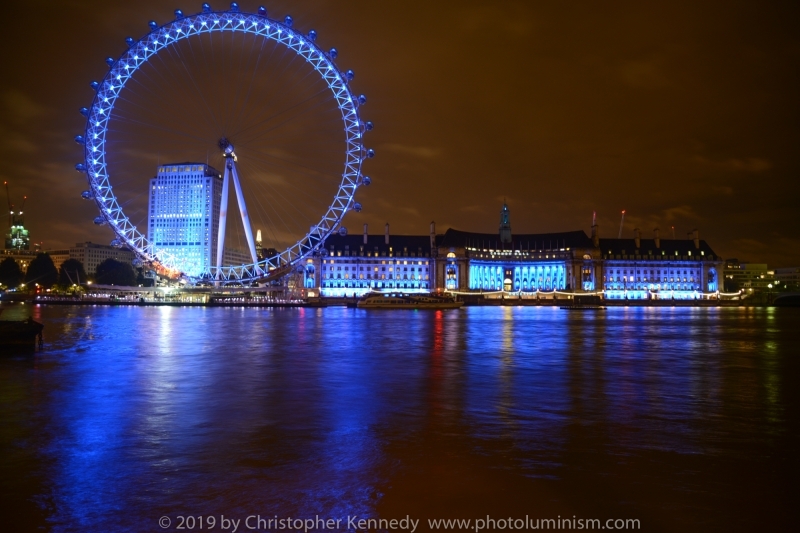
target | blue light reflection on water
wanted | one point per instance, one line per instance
(143, 412)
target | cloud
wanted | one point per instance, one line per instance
(642, 74)
(21, 108)
(675, 213)
(753, 165)
(415, 151)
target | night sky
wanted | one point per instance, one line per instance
(682, 114)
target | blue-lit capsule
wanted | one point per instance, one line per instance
(333, 53)
(99, 220)
(362, 99)
(342, 231)
(234, 7)
(366, 180)
(357, 207)
(178, 14)
(153, 25)
(86, 195)
(79, 139)
(370, 153)
(262, 11)
(116, 243)
(312, 36)
(350, 74)
(94, 85)
(288, 21)
(85, 111)
(369, 125)
(110, 61)
(206, 8)
(129, 41)
(80, 167)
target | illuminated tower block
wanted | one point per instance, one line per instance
(184, 214)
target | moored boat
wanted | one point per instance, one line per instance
(408, 301)
(19, 335)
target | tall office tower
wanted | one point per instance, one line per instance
(184, 215)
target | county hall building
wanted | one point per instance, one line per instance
(543, 264)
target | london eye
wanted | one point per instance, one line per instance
(219, 99)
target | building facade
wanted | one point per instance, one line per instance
(183, 222)
(352, 265)
(91, 255)
(541, 264)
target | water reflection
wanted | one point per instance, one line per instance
(143, 412)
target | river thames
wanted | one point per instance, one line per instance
(685, 419)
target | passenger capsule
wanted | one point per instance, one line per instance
(366, 180)
(85, 111)
(94, 85)
(333, 53)
(350, 74)
(370, 153)
(80, 167)
(178, 14)
(137, 262)
(99, 220)
(129, 41)
(206, 8)
(234, 7)
(110, 61)
(262, 11)
(116, 243)
(362, 99)
(79, 139)
(312, 36)
(369, 125)
(288, 21)
(86, 195)
(342, 231)
(357, 207)
(153, 25)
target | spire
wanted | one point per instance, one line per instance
(505, 224)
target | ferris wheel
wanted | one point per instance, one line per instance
(260, 106)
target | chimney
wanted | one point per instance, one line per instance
(365, 234)
(386, 235)
(637, 237)
(696, 237)
(433, 235)
(595, 234)
(657, 238)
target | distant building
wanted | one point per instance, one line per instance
(184, 215)
(17, 237)
(22, 257)
(59, 256)
(91, 255)
(789, 276)
(747, 276)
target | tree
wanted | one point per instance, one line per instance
(113, 272)
(71, 272)
(10, 273)
(42, 271)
